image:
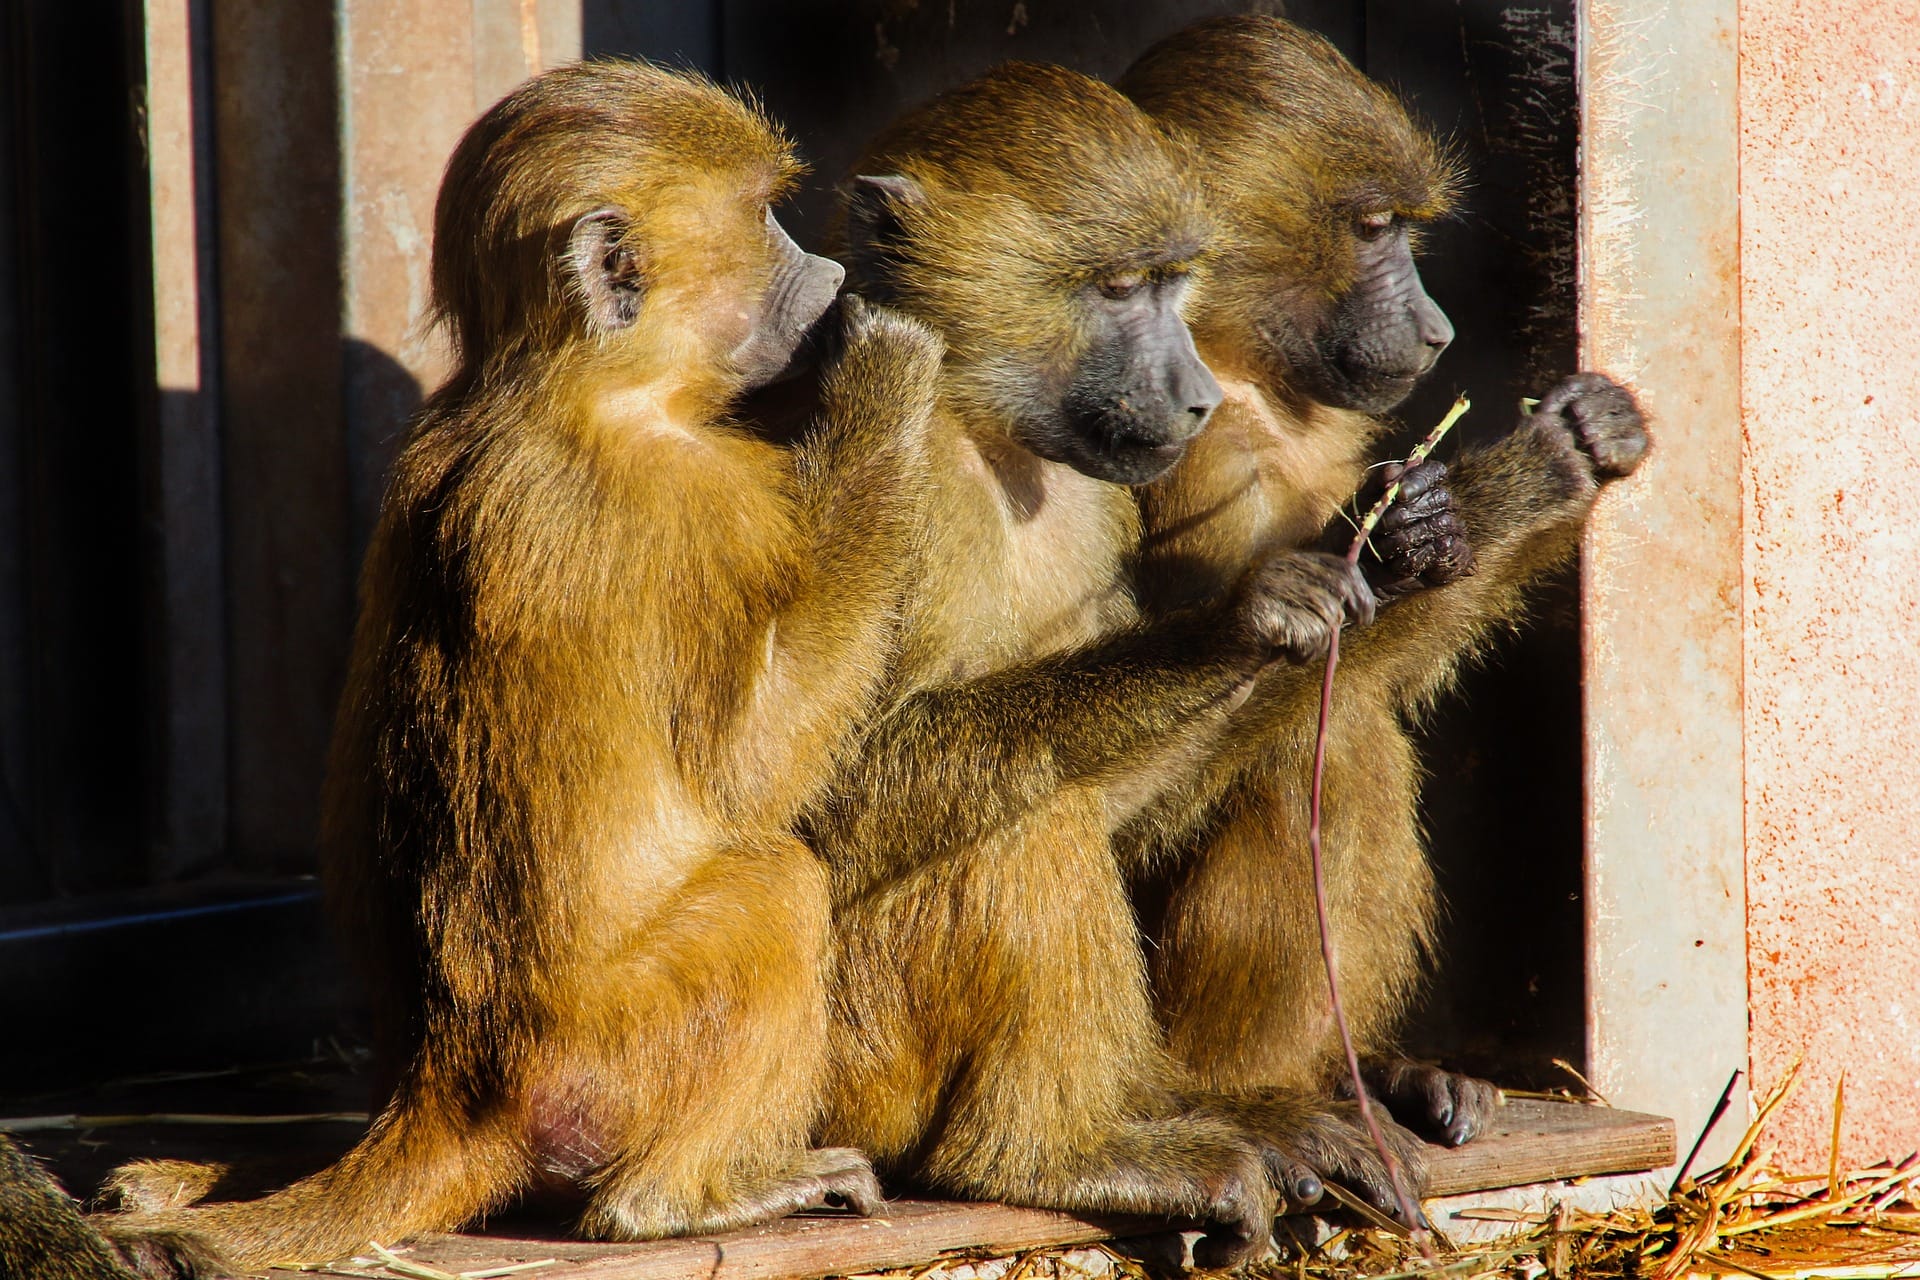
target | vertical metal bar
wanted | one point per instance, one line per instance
(288, 562)
(1659, 307)
(186, 597)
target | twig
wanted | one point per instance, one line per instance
(1594, 1094)
(1833, 1152)
(1713, 1118)
(1408, 1209)
(32, 1124)
(416, 1270)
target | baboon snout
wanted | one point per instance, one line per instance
(1432, 330)
(1195, 394)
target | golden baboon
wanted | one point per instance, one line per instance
(993, 1035)
(610, 642)
(1314, 317)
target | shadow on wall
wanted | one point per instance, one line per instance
(381, 398)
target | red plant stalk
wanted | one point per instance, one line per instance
(1408, 1210)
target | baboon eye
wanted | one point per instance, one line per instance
(1124, 285)
(1371, 226)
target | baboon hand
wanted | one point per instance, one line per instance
(1441, 1106)
(885, 347)
(1290, 605)
(1420, 541)
(1602, 418)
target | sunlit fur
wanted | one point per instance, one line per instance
(1295, 143)
(609, 644)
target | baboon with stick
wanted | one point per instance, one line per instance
(993, 1035)
(1314, 318)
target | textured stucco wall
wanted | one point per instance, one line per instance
(1830, 131)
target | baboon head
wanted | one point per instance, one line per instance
(1050, 230)
(1320, 183)
(623, 213)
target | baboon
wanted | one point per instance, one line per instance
(1314, 316)
(43, 1235)
(610, 642)
(992, 1032)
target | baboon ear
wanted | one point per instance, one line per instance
(606, 270)
(874, 205)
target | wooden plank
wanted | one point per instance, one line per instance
(913, 1231)
(1538, 1141)
(1534, 1141)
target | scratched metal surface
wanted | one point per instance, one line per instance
(1666, 909)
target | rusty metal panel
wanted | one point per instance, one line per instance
(405, 96)
(1830, 121)
(414, 74)
(1659, 307)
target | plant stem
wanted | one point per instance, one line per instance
(1408, 1209)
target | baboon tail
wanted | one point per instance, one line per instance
(414, 1171)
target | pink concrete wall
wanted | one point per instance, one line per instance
(1830, 140)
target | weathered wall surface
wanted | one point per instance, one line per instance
(1830, 125)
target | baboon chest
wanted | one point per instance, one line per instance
(1038, 555)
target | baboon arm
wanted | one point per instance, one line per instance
(1524, 500)
(862, 481)
(952, 763)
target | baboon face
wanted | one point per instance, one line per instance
(1048, 229)
(1321, 183)
(1137, 393)
(630, 206)
(1373, 341)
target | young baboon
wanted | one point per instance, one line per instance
(1314, 316)
(610, 642)
(993, 1035)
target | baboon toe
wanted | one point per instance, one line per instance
(1443, 1106)
(1239, 1222)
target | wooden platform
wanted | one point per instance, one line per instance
(1535, 1141)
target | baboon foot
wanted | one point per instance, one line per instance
(1442, 1106)
(1183, 1167)
(1603, 420)
(631, 1206)
(1307, 1141)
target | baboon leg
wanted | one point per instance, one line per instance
(995, 1002)
(717, 1036)
(1237, 973)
